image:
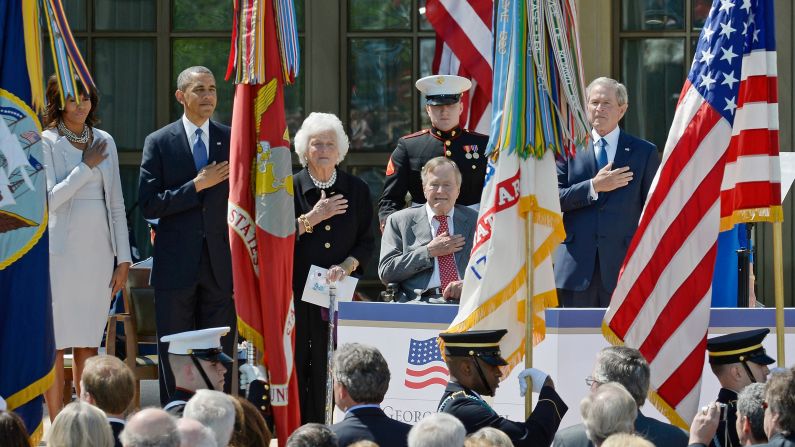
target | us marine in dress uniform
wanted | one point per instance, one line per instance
(737, 360)
(444, 138)
(474, 361)
(198, 363)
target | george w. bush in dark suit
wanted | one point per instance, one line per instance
(602, 193)
(361, 379)
(183, 183)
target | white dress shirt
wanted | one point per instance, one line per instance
(611, 140)
(190, 131)
(435, 280)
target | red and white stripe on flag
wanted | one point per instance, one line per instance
(464, 47)
(719, 167)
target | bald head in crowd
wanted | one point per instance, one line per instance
(150, 427)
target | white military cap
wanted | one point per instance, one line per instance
(203, 343)
(443, 89)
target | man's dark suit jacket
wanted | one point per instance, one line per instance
(606, 225)
(187, 218)
(371, 424)
(657, 432)
(117, 427)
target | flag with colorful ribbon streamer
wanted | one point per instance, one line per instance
(720, 166)
(520, 223)
(261, 213)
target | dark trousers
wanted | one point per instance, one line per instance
(594, 296)
(202, 306)
(311, 361)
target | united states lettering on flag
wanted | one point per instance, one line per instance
(425, 365)
(464, 47)
(720, 166)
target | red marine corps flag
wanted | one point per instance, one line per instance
(261, 217)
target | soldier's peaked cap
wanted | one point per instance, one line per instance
(739, 347)
(443, 89)
(482, 344)
(203, 343)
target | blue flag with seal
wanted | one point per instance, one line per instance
(27, 348)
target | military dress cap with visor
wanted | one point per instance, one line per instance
(740, 347)
(204, 344)
(484, 345)
(443, 89)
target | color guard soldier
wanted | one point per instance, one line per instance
(444, 138)
(474, 361)
(737, 360)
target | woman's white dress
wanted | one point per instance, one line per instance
(80, 275)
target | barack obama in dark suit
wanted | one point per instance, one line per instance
(183, 183)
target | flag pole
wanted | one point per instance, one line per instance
(778, 285)
(528, 315)
(332, 316)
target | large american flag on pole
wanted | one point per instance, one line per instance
(464, 47)
(720, 166)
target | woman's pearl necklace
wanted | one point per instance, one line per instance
(323, 185)
(73, 137)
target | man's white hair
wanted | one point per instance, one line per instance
(193, 434)
(438, 430)
(214, 410)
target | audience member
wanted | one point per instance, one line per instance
(737, 360)
(80, 424)
(425, 249)
(197, 362)
(252, 430)
(626, 440)
(12, 430)
(150, 427)
(705, 424)
(608, 410)
(363, 443)
(628, 367)
(438, 430)
(215, 410)
(312, 435)
(751, 415)
(184, 183)
(488, 437)
(780, 409)
(110, 385)
(474, 361)
(445, 137)
(602, 192)
(361, 379)
(193, 434)
(334, 216)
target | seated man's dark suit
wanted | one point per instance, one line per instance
(539, 429)
(600, 229)
(192, 267)
(657, 432)
(404, 252)
(371, 424)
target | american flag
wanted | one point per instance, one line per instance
(464, 47)
(425, 365)
(720, 166)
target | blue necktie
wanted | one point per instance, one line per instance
(601, 157)
(199, 151)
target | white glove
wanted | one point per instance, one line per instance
(3, 405)
(538, 376)
(250, 373)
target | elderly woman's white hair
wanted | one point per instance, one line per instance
(608, 410)
(315, 124)
(80, 425)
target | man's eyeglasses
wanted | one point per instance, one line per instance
(589, 381)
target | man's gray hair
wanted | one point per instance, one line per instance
(438, 430)
(363, 371)
(626, 366)
(749, 404)
(150, 427)
(186, 76)
(608, 410)
(194, 434)
(619, 88)
(312, 435)
(434, 163)
(215, 410)
(489, 436)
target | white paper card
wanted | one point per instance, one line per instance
(787, 161)
(316, 288)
